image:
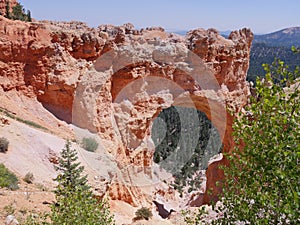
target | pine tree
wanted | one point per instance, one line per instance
(74, 199)
(18, 12)
(70, 177)
(29, 19)
(7, 9)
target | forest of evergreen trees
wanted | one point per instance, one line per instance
(262, 53)
(185, 140)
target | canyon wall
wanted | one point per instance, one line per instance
(115, 80)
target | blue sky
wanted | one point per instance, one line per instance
(262, 16)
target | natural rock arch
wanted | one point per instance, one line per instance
(134, 82)
(52, 62)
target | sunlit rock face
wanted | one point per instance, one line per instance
(115, 80)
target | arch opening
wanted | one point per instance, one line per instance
(185, 141)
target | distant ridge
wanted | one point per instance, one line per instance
(225, 33)
(285, 38)
(267, 47)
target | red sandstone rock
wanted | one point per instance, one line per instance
(114, 81)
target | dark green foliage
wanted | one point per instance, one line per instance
(156, 158)
(7, 11)
(70, 172)
(262, 53)
(265, 48)
(8, 179)
(263, 183)
(199, 218)
(29, 19)
(3, 144)
(18, 13)
(89, 144)
(185, 145)
(143, 213)
(75, 203)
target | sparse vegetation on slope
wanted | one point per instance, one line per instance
(198, 218)
(143, 213)
(89, 144)
(28, 122)
(75, 203)
(3, 144)
(29, 178)
(8, 179)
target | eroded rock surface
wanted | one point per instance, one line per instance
(114, 81)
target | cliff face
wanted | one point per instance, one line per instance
(114, 81)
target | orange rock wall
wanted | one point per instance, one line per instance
(123, 89)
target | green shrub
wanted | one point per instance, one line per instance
(89, 144)
(263, 185)
(34, 218)
(198, 218)
(3, 144)
(9, 209)
(143, 213)
(7, 11)
(8, 179)
(29, 178)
